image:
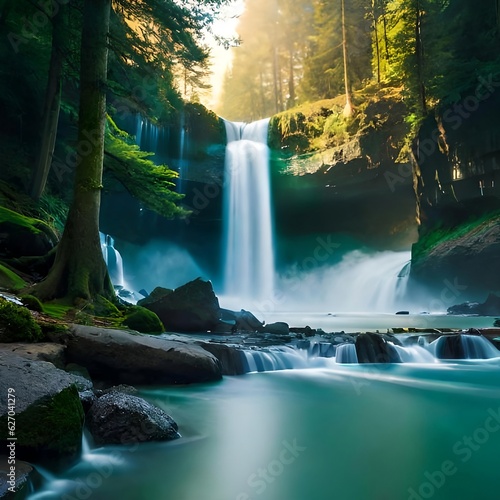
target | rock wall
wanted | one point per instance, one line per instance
(457, 183)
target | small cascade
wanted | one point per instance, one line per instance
(113, 259)
(274, 358)
(249, 272)
(346, 353)
(463, 346)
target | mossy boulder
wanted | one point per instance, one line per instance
(10, 280)
(49, 414)
(22, 236)
(143, 320)
(192, 307)
(17, 324)
(32, 303)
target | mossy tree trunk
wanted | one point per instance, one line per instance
(348, 110)
(79, 270)
(52, 106)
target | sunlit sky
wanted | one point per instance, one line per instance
(221, 57)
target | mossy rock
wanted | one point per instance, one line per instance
(103, 307)
(32, 303)
(22, 236)
(17, 324)
(143, 320)
(10, 280)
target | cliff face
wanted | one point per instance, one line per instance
(457, 182)
(332, 176)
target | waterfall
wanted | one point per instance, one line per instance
(346, 353)
(249, 260)
(113, 259)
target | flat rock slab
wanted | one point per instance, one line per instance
(127, 357)
(44, 351)
(48, 412)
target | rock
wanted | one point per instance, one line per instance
(373, 348)
(49, 415)
(306, 330)
(118, 418)
(23, 236)
(467, 308)
(245, 321)
(192, 307)
(143, 320)
(130, 358)
(490, 307)
(232, 359)
(46, 351)
(24, 476)
(278, 328)
(403, 312)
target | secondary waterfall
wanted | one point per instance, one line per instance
(113, 259)
(249, 257)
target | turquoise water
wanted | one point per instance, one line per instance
(353, 432)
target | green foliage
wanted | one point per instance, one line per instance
(151, 184)
(143, 320)
(17, 324)
(10, 280)
(443, 233)
(32, 303)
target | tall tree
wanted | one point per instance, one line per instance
(348, 109)
(51, 107)
(79, 270)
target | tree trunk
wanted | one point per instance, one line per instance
(291, 82)
(79, 270)
(419, 50)
(377, 43)
(348, 101)
(52, 105)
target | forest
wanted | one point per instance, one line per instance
(289, 52)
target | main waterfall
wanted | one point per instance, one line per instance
(249, 261)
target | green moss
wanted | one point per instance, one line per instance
(143, 320)
(10, 280)
(54, 425)
(17, 324)
(56, 310)
(32, 303)
(7, 215)
(441, 234)
(103, 307)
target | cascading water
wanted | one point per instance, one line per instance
(249, 261)
(113, 259)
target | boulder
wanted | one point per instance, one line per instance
(126, 357)
(192, 307)
(374, 348)
(232, 359)
(242, 321)
(490, 307)
(118, 418)
(44, 351)
(278, 328)
(49, 415)
(23, 236)
(24, 476)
